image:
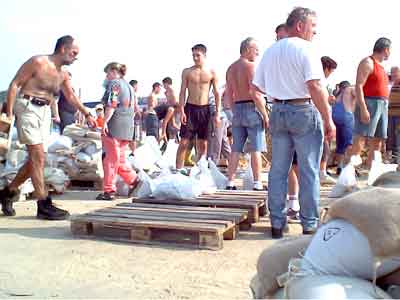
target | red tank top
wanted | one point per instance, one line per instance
(377, 84)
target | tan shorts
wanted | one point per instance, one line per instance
(33, 122)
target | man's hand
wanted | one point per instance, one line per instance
(217, 120)
(57, 120)
(91, 121)
(104, 130)
(329, 129)
(183, 118)
(365, 116)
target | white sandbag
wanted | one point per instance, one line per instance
(220, 179)
(147, 186)
(177, 186)
(202, 174)
(378, 168)
(248, 179)
(59, 142)
(168, 158)
(347, 182)
(331, 287)
(16, 158)
(83, 158)
(122, 187)
(148, 154)
(388, 180)
(91, 149)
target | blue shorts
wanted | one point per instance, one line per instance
(377, 127)
(247, 124)
(344, 133)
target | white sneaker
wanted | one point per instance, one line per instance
(326, 179)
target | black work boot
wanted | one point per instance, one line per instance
(47, 211)
(7, 198)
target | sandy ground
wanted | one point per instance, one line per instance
(41, 259)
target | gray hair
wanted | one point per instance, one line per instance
(382, 44)
(299, 14)
(245, 44)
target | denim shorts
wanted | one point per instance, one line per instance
(377, 127)
(247, 125)
(344, 133)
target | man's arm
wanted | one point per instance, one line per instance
(365, 68)
(26, 72)
(228, 94)
(54, 111)
(217, 96)
(182, 96)
(257, 97)
(319, 96)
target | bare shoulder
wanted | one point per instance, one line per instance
(367, 63)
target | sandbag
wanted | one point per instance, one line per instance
(331, 287)
(248, 179)
(274, 262)
(378, 168)
(375, 212)
(388, 180)
(220, 179)
(347, 182)
(177, 186)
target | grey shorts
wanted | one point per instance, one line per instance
(377, 127)
(33, 122)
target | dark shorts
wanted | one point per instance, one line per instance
(344, 133)
(198, 118)
(161, 110)
(152, 125)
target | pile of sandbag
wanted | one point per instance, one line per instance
(78, 153)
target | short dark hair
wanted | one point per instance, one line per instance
(279, 27)
(200, 47)
(245, 44)
(298, 14)
(167, 80)
(133, 82)
(382, 44)
(63, 41)
(155, 85)
(328, 63)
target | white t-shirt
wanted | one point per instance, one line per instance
(285, 68)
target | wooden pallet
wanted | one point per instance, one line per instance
(160, 224)
(252, 201)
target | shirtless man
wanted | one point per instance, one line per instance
(36, 85)
(195, 114)
(249, 113)
(165, 112)
(152, 123)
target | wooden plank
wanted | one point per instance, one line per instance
(237, 218)
(252, 208)
(160, 218)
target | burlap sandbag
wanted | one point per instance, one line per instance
(388, 180)
(376, 213)
(274, 262)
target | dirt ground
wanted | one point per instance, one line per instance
(41, 259)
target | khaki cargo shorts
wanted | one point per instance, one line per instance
(33, 122)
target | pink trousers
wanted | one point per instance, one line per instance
(114, 163)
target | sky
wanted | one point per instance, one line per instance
(154, 37)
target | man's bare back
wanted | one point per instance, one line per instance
(198, 82)
(170, 95)
(239, 80)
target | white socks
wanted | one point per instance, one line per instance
(293, 203)
(258, 185)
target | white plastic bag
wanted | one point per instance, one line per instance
(177, 186)
(168, 159)
(149, 153)
(347, 181)
(378, 168)
(202, 174)
(122, 187)
(220, 179)
(146, 188)
(248, 179)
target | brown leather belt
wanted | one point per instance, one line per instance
(35, 100)
(296, 101)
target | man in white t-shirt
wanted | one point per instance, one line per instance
(290, 73)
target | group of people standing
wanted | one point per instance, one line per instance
(305, 116)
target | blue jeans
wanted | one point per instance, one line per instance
(295, 128)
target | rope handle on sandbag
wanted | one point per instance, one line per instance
(294, 272)
(377, 291)
(324, 217)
